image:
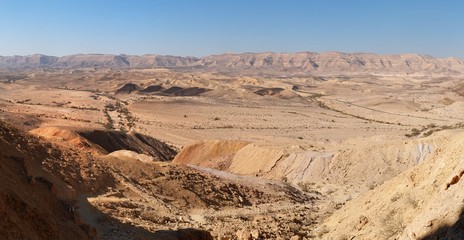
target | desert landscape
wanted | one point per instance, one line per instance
(235, 146)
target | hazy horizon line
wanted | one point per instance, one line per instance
(232, 53)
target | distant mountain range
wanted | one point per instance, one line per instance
(304, 63)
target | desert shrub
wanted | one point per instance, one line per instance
(410, 200)
(321, 231)
(428, 133)
(284, 179)
(306, 186)
(329, 191)
(371, 186)
(110, 123)
(391, 225)
(110, 107)
(395, 197)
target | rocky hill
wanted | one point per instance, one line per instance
(57, 190)
(330, 63)
(95, 61)
(280, 64)
(35, 202)
(423, 202)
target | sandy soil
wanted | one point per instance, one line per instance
(308, 145)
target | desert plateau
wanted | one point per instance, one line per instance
(235, 146)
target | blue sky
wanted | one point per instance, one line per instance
(204, 27)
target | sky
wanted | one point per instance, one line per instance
(204, 27)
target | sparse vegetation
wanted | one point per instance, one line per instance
(306, 186)
(284, 179)
(392, 225)
(371, 186)
(321, 231)
(122, 129)
(109, 121)
(12, 78)
(395, 197)
(411, 201)
(127, 121)
(428, 133)
(431, 128)
(24, 101)
(325, 106)
(328, 190)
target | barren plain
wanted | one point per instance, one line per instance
(240, 152)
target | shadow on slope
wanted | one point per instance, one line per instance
(33, 199)
(112, 141)
(453, 232)
(128, 88)
(151, 89)
(42, 194)
(190, 91)
(108, 227)
(268, 91)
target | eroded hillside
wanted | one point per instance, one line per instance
(120, 196)
(423, 202)
(39, 185)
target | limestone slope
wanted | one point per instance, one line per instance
(364, 163)
(423, 202)
(213, 154)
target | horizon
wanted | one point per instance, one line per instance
(204, 28)
(233, 53)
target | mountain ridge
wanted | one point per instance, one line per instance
(268, 63)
